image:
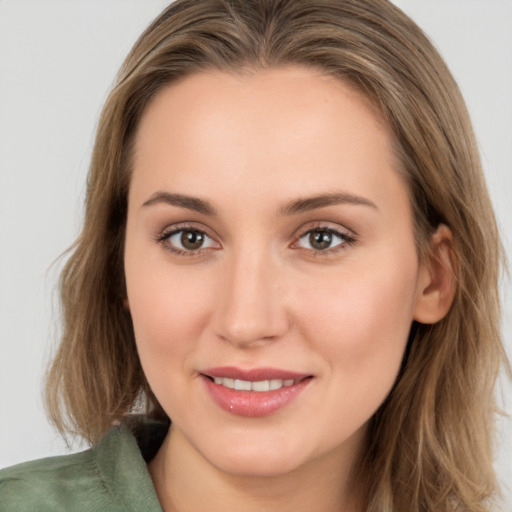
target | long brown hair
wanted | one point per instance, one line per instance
(429, 446)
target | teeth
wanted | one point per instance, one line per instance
(258, 386)
(275, 384)
(242, 385)
(263, 385)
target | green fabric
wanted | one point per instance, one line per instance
(110, 477)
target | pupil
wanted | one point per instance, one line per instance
(320, 239)
(192, 240)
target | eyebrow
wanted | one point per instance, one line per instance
(323, 200)
(292, 208)
(182, 201)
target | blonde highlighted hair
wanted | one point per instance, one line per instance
(429, 446)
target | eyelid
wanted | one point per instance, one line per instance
(348, 236)
(325, 225)
(164, 235)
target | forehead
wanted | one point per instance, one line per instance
(285, 124)
(216, 95)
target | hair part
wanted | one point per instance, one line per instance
(430, 445)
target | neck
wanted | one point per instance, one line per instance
(186, 482)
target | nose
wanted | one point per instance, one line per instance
(251, 308)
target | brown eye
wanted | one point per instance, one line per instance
(187, 240)
(192, 240)
(324, 240)
(320, 240)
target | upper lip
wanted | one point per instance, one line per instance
(253, 374)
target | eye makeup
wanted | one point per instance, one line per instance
(320, 239)
(186, 240)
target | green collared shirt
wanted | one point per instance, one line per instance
(110, 477)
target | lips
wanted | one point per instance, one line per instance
(259, 386)
(253, 393)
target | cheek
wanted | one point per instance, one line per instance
(360, 321)
(168, 310)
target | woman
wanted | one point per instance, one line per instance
(288, 250)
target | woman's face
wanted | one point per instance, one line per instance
(270, 248)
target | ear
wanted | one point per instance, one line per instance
(436, 280)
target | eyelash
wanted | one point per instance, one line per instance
(163, 239)
(347, 239)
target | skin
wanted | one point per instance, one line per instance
(258, 294)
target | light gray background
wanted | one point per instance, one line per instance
(58, 59)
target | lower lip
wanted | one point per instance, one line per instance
(254, 404)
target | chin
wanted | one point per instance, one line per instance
(251, 455)
(260, 465)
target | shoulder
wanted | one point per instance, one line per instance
(110, 477)
(45, 484)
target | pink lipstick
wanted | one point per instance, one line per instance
(253, 393)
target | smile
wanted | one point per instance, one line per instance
(258, 386)
(254, 393)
